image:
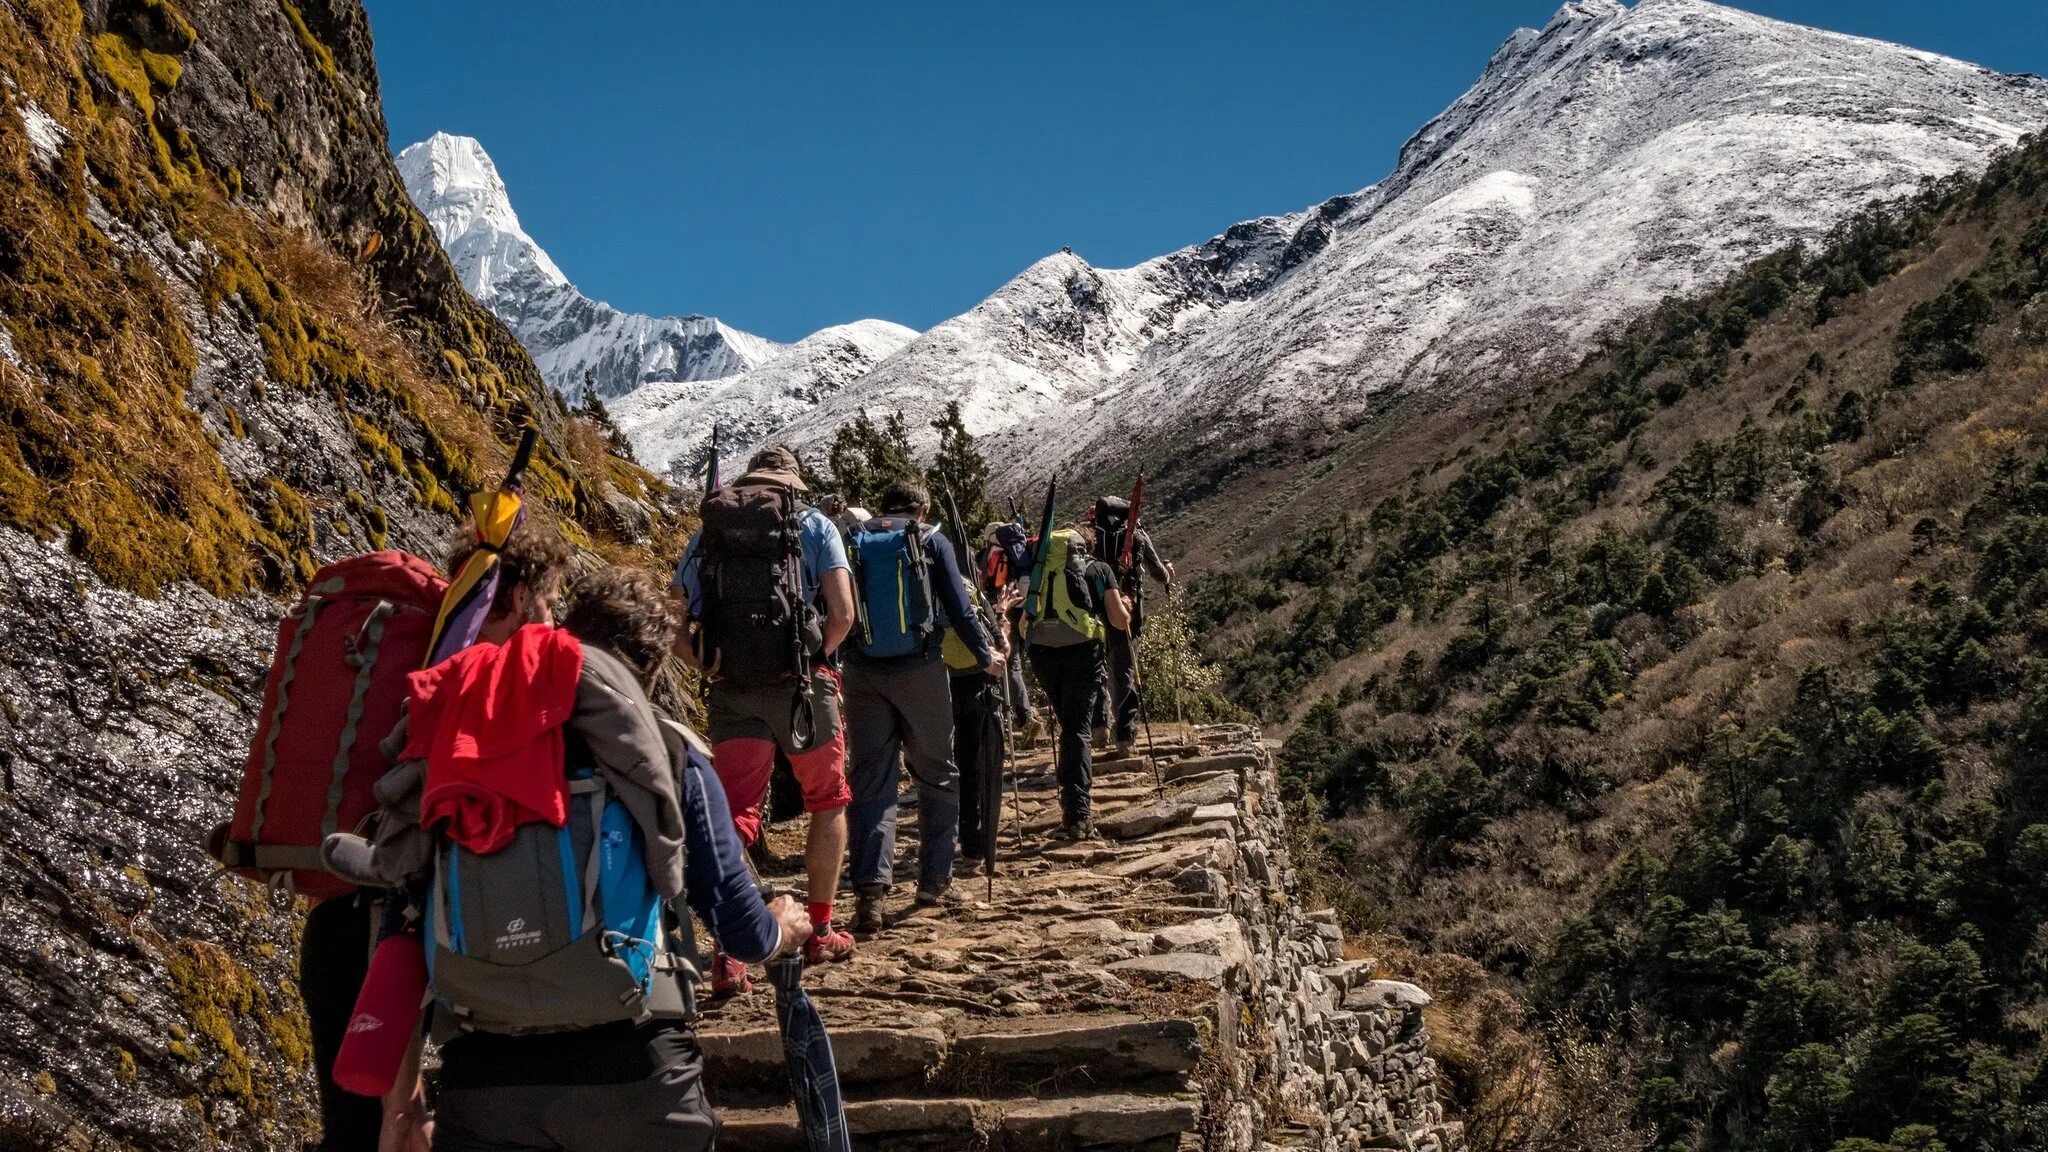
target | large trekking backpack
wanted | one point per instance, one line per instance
(337, 680)
(892, 587)
(1112, 525)
(755, 621)
(1066, 595)
(560, 929)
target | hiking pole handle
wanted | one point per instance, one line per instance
(528, 439)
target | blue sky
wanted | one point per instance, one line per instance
(789, 164)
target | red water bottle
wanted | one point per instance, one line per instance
(386, 1010)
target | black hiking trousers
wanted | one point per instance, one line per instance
(1123, 687)
(970, 703)
(614, 1088)
(1071, 677)
(334, 957)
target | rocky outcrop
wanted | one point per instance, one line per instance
(1159, 989)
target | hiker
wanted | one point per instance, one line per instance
(524, 878)
(1005, 563)
(769, 595)
(971, 702)
(342, 660)
(898, 697)
(1109, 522)
(1070, 614)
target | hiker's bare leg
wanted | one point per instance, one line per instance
(825, 853)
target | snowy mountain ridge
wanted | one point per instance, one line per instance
(1611, 158)
(573, 339)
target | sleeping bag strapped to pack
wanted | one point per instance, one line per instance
(1066, 596)
(337, 679)
(756, 624)
(561, 929)
(892, 587)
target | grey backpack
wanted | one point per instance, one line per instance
(561, 929)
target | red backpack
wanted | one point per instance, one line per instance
(337, 680)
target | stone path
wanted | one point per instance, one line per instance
(1140, 992)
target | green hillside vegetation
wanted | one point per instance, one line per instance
(1702, 696)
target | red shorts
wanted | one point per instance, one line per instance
(748, 731)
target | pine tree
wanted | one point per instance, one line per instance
(866, 459)
(960, 471)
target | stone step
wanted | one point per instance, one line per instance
(1003, 1059)
(1114, 1122)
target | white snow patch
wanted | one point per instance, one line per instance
(46, 137)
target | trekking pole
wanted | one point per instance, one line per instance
(1144, 717)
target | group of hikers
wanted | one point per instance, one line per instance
(507, 840)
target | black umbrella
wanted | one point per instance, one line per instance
(990, 755)
(813, 1076)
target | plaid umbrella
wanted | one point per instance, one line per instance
(469, 595)
(813, 1077)
(990, 752)
(712, 479)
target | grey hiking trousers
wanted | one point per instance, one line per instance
(907, 713)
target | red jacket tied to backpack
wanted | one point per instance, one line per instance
(488, 722)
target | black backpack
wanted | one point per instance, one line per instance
(1112, 524)
(754, 621)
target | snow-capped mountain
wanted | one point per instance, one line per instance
(572, 338)
(1615, 157)
(1611, 158)
(669, 423)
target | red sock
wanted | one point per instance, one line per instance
(821, 915)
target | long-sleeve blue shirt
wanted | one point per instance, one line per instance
(956, 611)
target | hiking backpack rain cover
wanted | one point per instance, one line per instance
(755, 621)
(893, 595)
(337, 680)
(558, 930)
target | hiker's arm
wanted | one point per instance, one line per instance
(717, 884)
(952, 593)
(1160, 569)
(838, 590)
(1116, 606)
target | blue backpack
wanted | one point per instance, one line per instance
(561, 929)
(893, 587)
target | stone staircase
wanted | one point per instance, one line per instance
(1153, 991)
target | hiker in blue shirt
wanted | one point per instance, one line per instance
(899, 698)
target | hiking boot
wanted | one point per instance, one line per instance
(828, 947)
(729, 977)
(970, 866)
(936, 896)
(1125, 749)
(1100, 738)
(867, 911)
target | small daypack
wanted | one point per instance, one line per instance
(892, 587)
(957, 655)
(754, 620)
(561, 929)
(1065, 594)
(337, 680)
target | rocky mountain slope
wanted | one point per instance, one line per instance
(1699, 695)
(230, 348)
(1611, 158)
(576, 342)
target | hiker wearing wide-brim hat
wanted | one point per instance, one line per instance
(769, 597)
(776, 465)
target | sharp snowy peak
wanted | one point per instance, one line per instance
(669, 423)
(572, 338)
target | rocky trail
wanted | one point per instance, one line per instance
(1160, 989)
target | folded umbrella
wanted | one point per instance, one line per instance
(807, 1050)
